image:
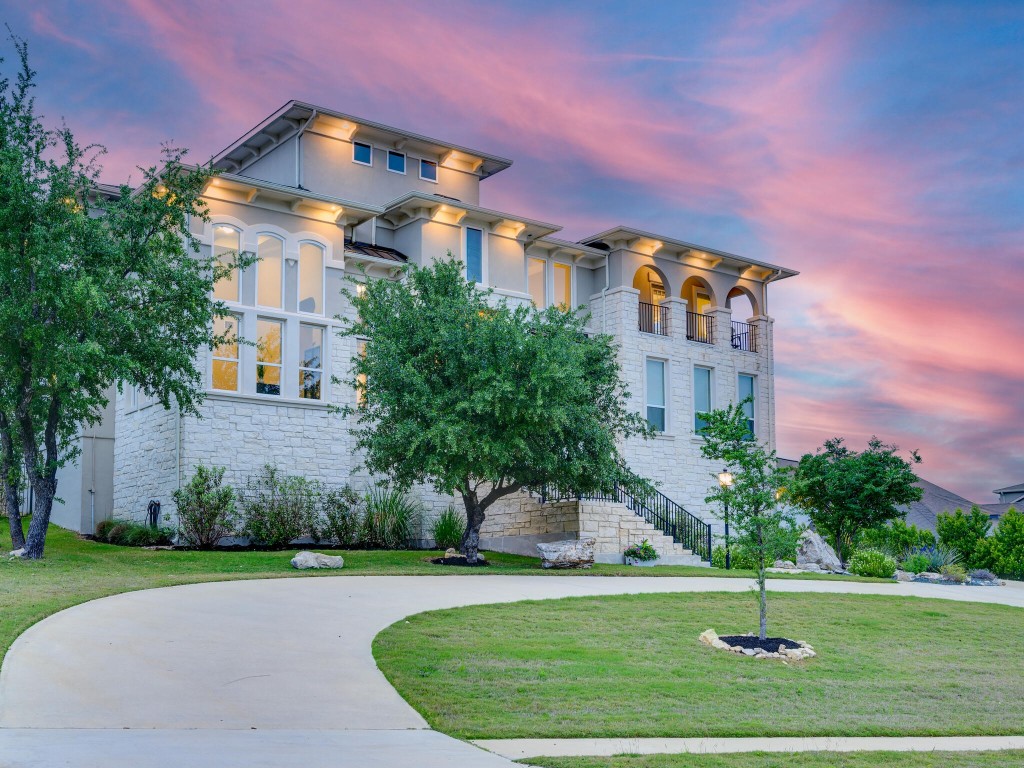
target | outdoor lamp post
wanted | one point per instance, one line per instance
(725, 480)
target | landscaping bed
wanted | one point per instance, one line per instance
(630, 666)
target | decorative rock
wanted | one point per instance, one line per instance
(708, 637)
(785, 564)
(17, 553)
(749, 652)
(452, 552)
(306, 560)
(932, 577)
(813, 550)
(904, 576)
(577, 553)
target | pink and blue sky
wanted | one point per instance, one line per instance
(877, 147)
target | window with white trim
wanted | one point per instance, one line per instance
(702, 402)
(428, 170)
(396, 161)
(362, 153)
(657, 400)
(311, 365)
(224, 371)
(311, 278)
(745, 388)
(563, 285)
(536, 277)
(474, 255)
(269, 355)
(269, 271)
(226, 245)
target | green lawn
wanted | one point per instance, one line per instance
(631, 666)
(75, 570)
(1007, 759)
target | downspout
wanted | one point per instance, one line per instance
(177, 447)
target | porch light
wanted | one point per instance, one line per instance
(725, 479)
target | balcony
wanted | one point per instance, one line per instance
(653, 318)
(700, 327)
(744, 337)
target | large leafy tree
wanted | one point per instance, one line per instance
(845, 491)
(761, 523)
(100, 286)
(481, 399)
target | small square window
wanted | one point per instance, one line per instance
(362, 153)
(396, 161)
(428, 170)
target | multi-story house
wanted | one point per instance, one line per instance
(321, 196)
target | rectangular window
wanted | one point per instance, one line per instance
(428, 170)
(701, 396)
(362, 153)
(226, 245)
(396, 161)
(269, 334)
(311, 278)
(225, 355)
(474, 255)
(361, 378)
(563, 286)
(745, 389)
(269, 272)
(656, 394)
(535, 279)
(311, 365)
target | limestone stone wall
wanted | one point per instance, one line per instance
(145, 455)
(615, 527)
(519, 523)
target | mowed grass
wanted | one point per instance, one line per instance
(631, 666)
(76, 570)
(1002, 759)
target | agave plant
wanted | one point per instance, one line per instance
(939, 556)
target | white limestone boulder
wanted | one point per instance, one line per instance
(307, 560)
(576, 553)
(813, 550)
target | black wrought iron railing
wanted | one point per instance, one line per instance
(653, 318)
(744, 336)
(700, 327)
(657, 509)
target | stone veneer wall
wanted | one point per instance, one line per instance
(615, 527)
(145, 457)
(519, 523)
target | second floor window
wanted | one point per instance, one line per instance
(474, 255)
(656, 399)
(563, 285)
(269, 356)
(396, 161)
(362, 153)
(269, 270)
(226, 245)
(745, 389)
(428, 170)
(311, 278)
(535, 279)
(701, 396)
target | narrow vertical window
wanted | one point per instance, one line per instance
(362, 153)
(563, 286)
(656, 399)
(268, 356)
(225, 354)
(226, 245)
(311, 366)
(535, 269)
(701, 396)
(270, 251)
(745, 389)
(428, 170)
(311, 278)
(474, 255)
(396, 161)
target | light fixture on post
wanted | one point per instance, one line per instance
(725, 479)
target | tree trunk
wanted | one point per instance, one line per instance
(11, 501)
(44, 488)
(474, 519)
(763, 597)
(9, 477)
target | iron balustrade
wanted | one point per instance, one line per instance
(657, 509)
(653, 318)
(744, 336)
(700, 327)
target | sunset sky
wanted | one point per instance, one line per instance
(877, 147)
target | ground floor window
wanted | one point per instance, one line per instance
(225, 356)
(269, 356)
(311, 367)
(656, 395)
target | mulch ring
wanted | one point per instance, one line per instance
(751, 642)
(459, 561)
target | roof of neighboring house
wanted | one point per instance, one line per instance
(1019, 487)
(375, 251)
(998, 510)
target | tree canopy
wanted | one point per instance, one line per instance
(844, 491)
(477, 398)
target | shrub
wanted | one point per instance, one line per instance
(448, 529)
(341, 517)
(937, 555)
(955, 573)
(278, 508)
(964, 533)
(895, 539)
(916, 563)
(739, 558)
(129, 533)
(1008, 546)
(644, 551)
(871, 562)
(389, 518)
(982, 574)
(206, 508)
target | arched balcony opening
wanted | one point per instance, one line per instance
(700, 298)
(743, 305)
(653, 287)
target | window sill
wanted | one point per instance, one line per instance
(292, 402)
(664, 436)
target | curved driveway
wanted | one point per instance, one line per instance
(264, 672)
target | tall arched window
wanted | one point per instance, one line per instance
(311, 278)
(226, 244)
(270, 251)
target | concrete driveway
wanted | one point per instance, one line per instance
(272, 672)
